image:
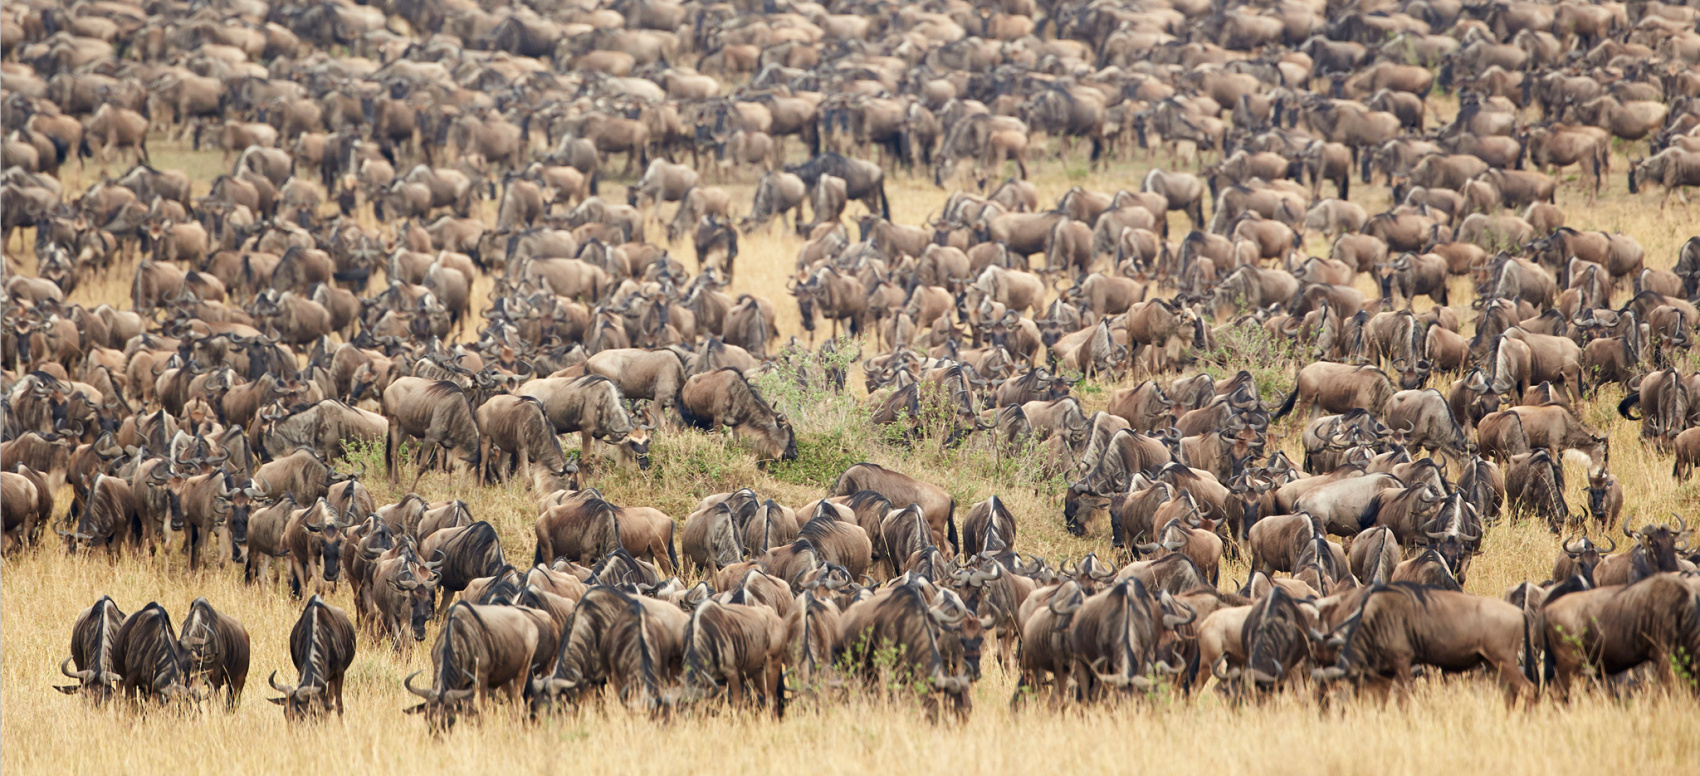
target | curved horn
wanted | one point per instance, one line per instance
(83, 675)
(428, 695)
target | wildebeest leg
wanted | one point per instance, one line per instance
(735, 689)
(296, 582)
(585, 443)
(419, 466)
(391, 450)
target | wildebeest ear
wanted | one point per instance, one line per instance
(68, 689)
(279, 701)
(420, 709)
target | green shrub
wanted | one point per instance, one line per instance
(1252, 348)
(821, 457)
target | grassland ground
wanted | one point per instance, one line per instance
(1459, 724)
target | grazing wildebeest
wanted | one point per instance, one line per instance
(94, 636)
(1116, 637)
(218, 649)
(738, 646)
(725, 397)
(321, 645)
(907, 614)
(480, 650)
(436, 412)
(517, 427)
(150, 660)
(594, 407)
(624, 641)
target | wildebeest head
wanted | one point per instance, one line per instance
(331, 538)
(1600, 484)
(1582, 556)
(958, 620)
(636, 444)
(1659, 545)
(421, 591)
(235, 503)
(1454, 549)
(1079, 504)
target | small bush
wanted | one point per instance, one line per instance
(1252, 348)
(821, 457)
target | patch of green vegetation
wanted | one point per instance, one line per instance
(1252, 348)
(695, 462)
(821, 457)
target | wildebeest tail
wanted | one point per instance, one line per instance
(672, 554)
(1286, 406)
(1629, 402)
(1529, 653)
(691, 418)
(1367, 516)
(950, 528)
(1548, 662)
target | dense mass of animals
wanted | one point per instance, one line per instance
(320, 296)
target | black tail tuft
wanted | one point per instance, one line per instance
(1286, 406)
(950, 528)
(692, 419)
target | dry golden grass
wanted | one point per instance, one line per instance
(1459, 724)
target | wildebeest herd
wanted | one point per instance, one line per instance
(386, 160)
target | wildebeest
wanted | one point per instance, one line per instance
(94, 636)
(740, 647)
(906, 614)
(627, 642)
(321, 645)
(517, 427)
(1655, 551)
(1338, 388)
(436, 412)
(480, 650)
(583, 527)
(725, 397)
(403, 594)
(218, 649)
(592, 406)
(1614, 628)
(1116, 635)
(1402, 625)
(148, 658)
